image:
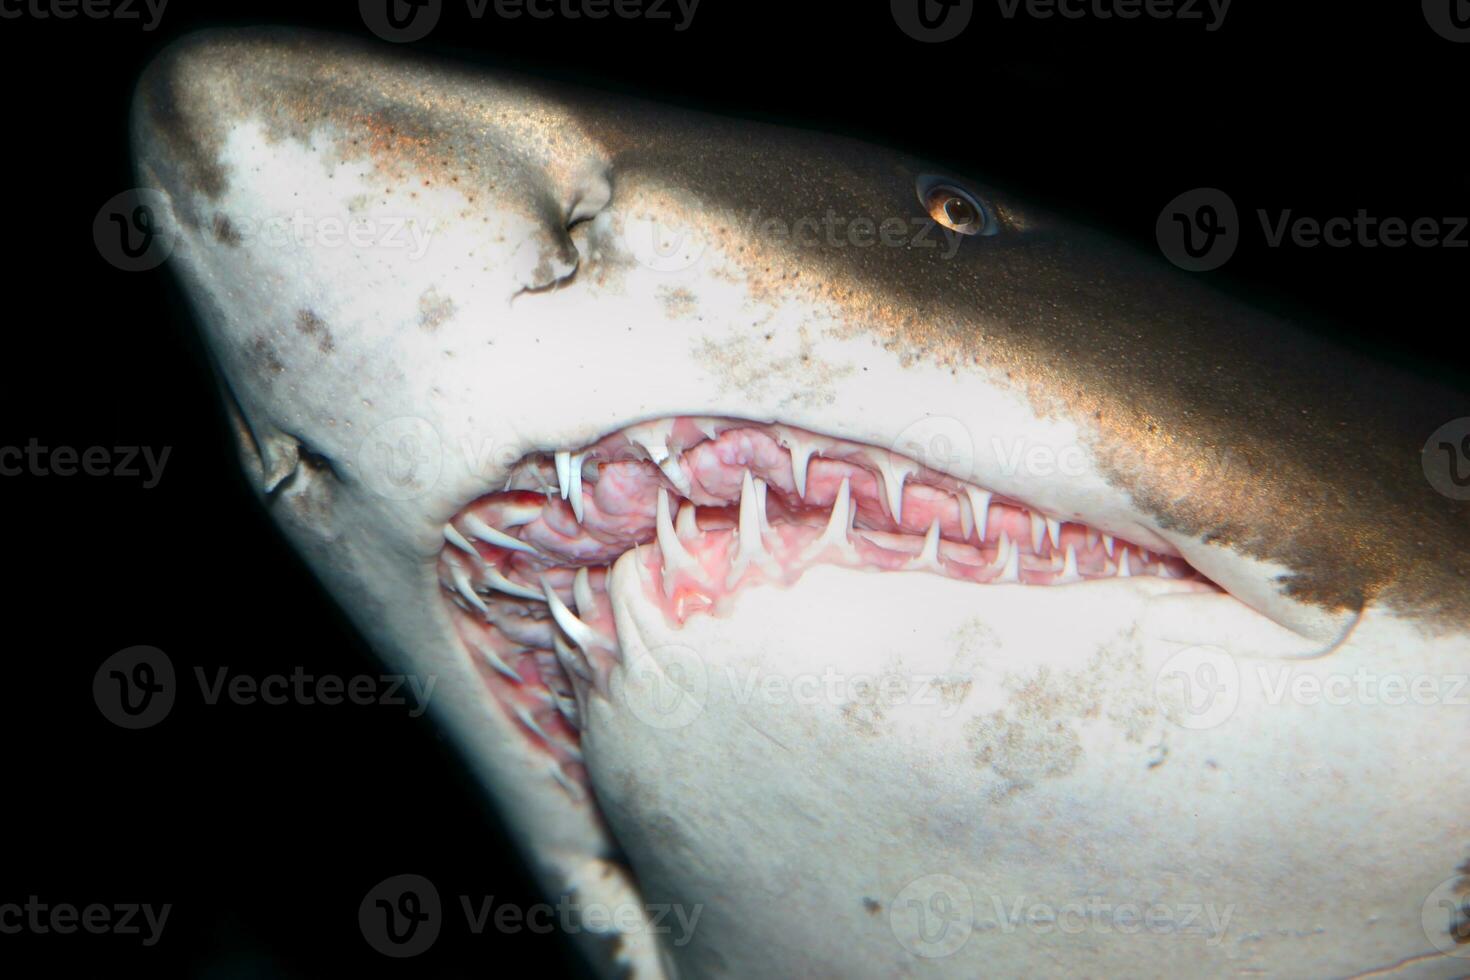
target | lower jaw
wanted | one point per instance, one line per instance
(705, 509)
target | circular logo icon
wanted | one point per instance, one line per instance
(1446, 916)
(664, 688)
(1198, 687)
(940, 443)
(661, 248)
(401, 458)
(1449, 18)
(400, 21)
(130, 232)
(933, 916)
(401, 916)
(1198, 230)
(134, 688)
(932, 21)
(1446, 459)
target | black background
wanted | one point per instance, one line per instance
(265, 826)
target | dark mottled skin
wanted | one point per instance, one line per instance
(1220, 421)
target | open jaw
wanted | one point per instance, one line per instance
(700, 509)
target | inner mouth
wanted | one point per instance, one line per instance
(710, 506)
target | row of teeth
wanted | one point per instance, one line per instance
(655, 441)
(536, 620)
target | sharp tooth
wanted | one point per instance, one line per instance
(571, 660)
(584, 636)
(671, 469)
(1011, 571)
(835, 534)
(493, 659)
(582, 593)
(452, 535)
(641, 566)
(710, 427)
(753, 523)
(967, 516)
(574, 492)
(516, 514)
(801, 455)
(1108, 544)
(463, 587)
(676, 559)
(685, 524)
(1069, 568)
(524, 717)
(928, 556)
(563, 471)
(500, 583)
(749, 544)
(760, 506)
(654, 438)
(893, 476)
(495, 536)
(568, 708)
(564, 781)
(1123, 570)
(1054, 531)
(1038, 531)
(980, 505)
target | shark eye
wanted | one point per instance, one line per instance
(955, 208)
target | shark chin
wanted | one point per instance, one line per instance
(831, 565)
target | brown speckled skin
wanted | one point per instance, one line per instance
(1220, 421)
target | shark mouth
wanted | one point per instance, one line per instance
(708, 507)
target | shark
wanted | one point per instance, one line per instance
(830, 564)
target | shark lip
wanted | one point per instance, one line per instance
(707, 507)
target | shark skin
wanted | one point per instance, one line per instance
(1145, 774)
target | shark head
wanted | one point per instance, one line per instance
(826, 559)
